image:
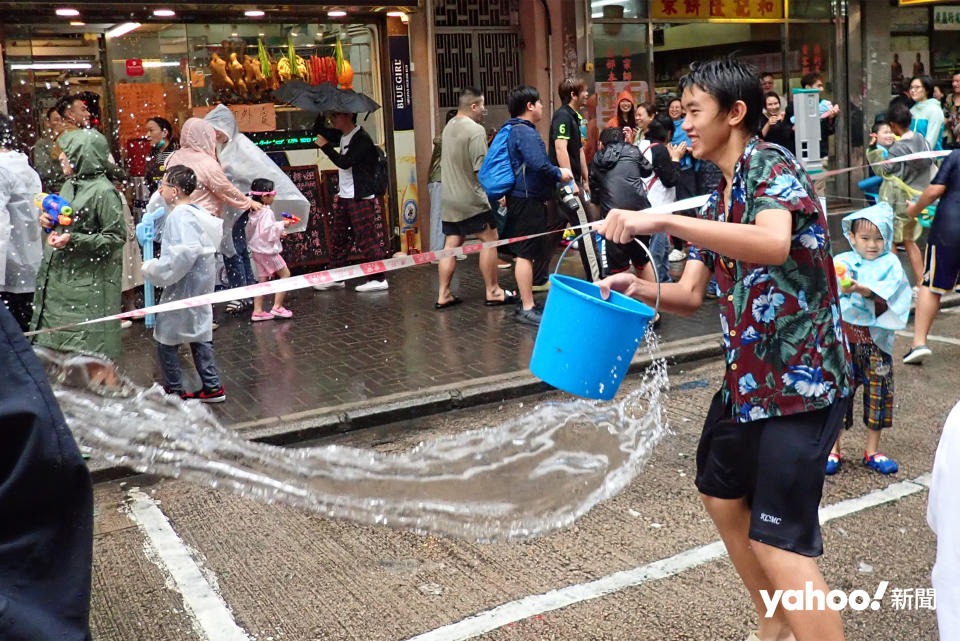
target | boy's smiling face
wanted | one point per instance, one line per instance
(885, 135)
(867, 240)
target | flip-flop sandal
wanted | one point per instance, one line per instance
(234, 307)
(450, 303)
(509, 298)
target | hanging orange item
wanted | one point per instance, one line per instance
(346, 76)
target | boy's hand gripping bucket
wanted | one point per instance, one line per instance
(585, 344)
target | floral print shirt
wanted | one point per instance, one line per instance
(783, 337)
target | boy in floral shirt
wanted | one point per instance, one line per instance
(760, 463)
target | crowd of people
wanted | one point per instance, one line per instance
(799, 336)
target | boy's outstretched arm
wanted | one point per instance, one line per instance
(682, 298)
(929, 195)
(765, 242)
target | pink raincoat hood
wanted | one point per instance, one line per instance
(199, 135)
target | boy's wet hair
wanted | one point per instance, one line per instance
(611, 136)
(728, 80)
(181, 177)
(864, 224)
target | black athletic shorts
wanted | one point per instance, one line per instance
(473, 225)
(525, 216)
(618, 258)
(778, 464)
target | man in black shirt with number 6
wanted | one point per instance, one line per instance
(566, 151)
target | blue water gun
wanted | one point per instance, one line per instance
(146, 232)
(55, 206)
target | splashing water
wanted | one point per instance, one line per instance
(528, 477)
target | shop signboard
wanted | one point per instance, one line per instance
(717, 9)
(946, 18)
(308, 247)
(134, 67)
(250, 118)
(401, 98)
(137, 103)
(401, 93)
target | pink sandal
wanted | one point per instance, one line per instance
(261, 316)
(281, 312)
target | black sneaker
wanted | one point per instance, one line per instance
(217, 395)
(174, 392)
(916, 355)
(529, 316)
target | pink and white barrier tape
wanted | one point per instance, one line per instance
(346, 273)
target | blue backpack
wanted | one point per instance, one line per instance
(496, 174)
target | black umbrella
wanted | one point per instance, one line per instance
(324, 97)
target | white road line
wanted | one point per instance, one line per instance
(533, 605)
(208, 612)
(933, 337)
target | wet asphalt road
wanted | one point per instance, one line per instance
(284, 573)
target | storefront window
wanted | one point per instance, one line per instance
(620, 62)
(677, 45)
(46, 64)
(618, 9)
(812, 9)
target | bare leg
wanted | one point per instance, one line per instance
(523, 273)
(873, 442)
(258, 300)
(446, 268)
(916, 259)
(732, 518)
(792, 571)
(488, 265)
(928, 304)
(836, 446)
(279, 296)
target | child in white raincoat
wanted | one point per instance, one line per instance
(186, 268)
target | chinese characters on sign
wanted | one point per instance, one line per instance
(135, 104)
(946, 18)
(260, 117)
(718, 9)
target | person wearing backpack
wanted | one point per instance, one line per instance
(357, 209)
(535, 181)
(466, 209)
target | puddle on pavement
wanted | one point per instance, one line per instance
(527, 477)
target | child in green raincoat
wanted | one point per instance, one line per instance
(80, 275)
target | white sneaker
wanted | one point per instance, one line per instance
(337, 284)
(126, 323)
(373, 286)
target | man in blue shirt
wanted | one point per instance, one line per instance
(536, 180)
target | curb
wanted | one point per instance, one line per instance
(290, 429)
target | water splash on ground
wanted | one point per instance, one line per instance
(525, 478)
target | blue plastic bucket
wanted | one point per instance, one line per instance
(585, 344)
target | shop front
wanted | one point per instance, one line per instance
(645, 46)
(181, 61)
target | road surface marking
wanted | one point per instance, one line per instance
(209, 614)
(933, 337)
(533, 605)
